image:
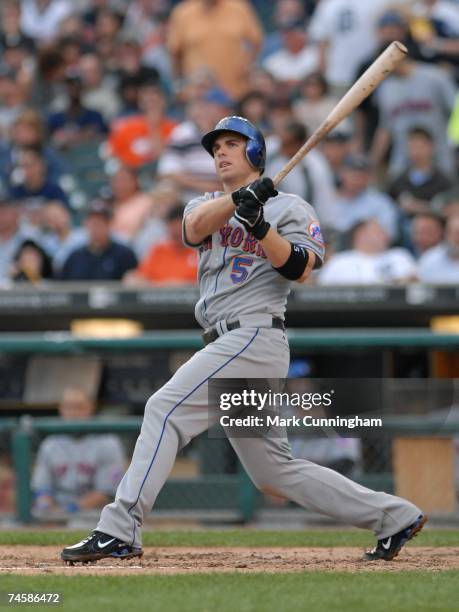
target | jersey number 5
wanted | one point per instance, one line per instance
(239, 270)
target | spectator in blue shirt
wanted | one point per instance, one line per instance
(30, 179)
(102, 258)
(28, 130)
(76, 124)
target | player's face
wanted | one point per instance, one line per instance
(230, 160)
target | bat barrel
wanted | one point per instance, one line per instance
(361, 89)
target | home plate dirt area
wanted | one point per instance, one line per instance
(35, 560)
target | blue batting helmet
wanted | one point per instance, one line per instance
(255, 149)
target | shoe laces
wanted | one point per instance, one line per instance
(90, 537)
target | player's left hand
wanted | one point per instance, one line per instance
(250, 214)
(259, 191)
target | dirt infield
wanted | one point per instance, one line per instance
(45, 560)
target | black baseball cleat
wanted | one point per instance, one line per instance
(388, 548)
(97, 546)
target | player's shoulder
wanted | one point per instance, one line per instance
(293, 202)
(199, 200)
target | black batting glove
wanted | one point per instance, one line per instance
(250, 214)
(259, 192)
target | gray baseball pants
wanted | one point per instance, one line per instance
(179, 411)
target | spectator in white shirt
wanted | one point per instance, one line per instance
(296, 59)
(370, 261)
(40, 19)
(358, 200)
(346, 32)
(440, 265)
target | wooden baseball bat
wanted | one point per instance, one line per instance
(362, 88)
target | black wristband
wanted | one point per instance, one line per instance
(296, 264)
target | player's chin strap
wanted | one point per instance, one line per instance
(296, 264)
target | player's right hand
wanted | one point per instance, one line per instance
(259, 192)
(250, 214)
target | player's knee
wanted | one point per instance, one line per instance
(157, 403)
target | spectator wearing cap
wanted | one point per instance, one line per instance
(336, 147)
(30, 180)
(345, 31)
(414, 94)
(311, 178)
(297, 57)
(131, 206)
(440, 265)
(29, 130)
(12, 234)
(392, 25)
(40, 19)
(370, 261)
(184, 161)
(170, 262)
(138, 140)
(76, 124)
(357, 200)
(427, 231)
(285, 11)
(222, 35)
(422, 180)
(103, 257)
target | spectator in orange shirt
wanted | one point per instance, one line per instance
(169, 262)
(138, 140)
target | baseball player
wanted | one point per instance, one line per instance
(253, 242)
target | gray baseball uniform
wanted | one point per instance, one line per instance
(67, 467)
(238, 283)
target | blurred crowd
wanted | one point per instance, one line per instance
(103, 104)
